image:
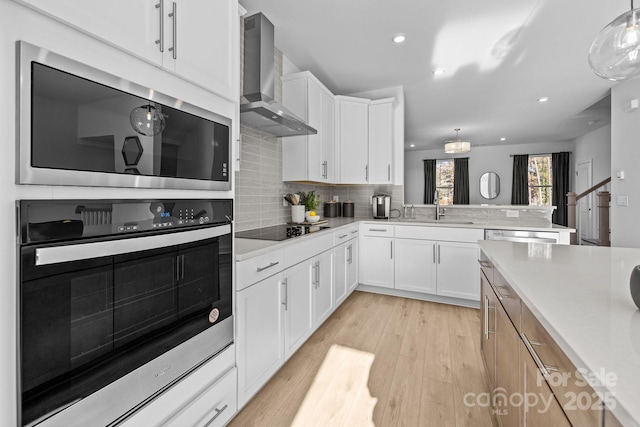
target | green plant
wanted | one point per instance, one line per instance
(311, 200)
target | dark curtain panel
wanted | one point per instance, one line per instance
(520, 184)
(429, 181)
(560, 186)
(461, 181)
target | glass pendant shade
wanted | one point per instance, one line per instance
(457, 146)
(614, 52)
(147, 120)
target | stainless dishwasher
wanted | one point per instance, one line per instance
(522, 236)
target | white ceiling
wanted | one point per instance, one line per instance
(500, 56)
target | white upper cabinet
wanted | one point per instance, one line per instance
(196, 39)
(309, 158)
(380, 141)
(352, 138)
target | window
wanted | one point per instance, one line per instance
(444, 181)
(540, 180)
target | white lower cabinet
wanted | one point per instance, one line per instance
(259, 335)
(414, 269)
(323, 304)
(458, 274)
(352, 266)
(298, 316)
(345, 258)
(376, 255)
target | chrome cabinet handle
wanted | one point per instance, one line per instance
(318, 274)
(389, 172)
(485, 264)
(160, 41)
(259, 269)
(541, 366)
(218, 412)
(343, 236)
(350, 254)
(438, 254)
(549, 368)
(173, 14)
(391, 246)
(366, 173)
(486, 317)
(381, 230)
(285, 300)
(354, 231)
(434, 253)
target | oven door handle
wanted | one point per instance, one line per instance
(76, 252)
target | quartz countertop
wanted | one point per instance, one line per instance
(581, 295)
(249, 248)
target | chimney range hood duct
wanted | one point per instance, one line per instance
(262, 112)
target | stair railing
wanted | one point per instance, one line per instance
(604, 200)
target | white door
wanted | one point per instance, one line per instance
(586, 217)
(353, 140)
(315, 119)
(298, 307)
(328, 136)
(206, 43)
(458, 273)
(323, 292)
(260, 342)
(352, 265)
(376, 261)
(415, 265)
(341, 259)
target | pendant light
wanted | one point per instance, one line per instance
(458, 145)
(614, 52)
(147, 120)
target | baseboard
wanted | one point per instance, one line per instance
(419, 296)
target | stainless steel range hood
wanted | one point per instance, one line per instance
(262, 112)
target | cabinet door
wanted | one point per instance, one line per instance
(507, 376)
(294, 148)
(376, 261)
(260, 342)
(353, 140)
(352, 269)
(458, 272)
(129, 25)
(415, 265)
(488, 338)
(315, 161)
(341, 259)
(328, 136)
(380, 142)
(545, 410)
(298, 316)
(323, 292)
(205, 36)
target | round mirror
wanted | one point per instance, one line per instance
(489, 185)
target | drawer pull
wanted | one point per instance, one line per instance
(485, 264)
(354, 231)
(218, 412)
(541, 366)
(382, 230)
(343, 236)
(259, 269)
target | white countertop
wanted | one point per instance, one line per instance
(249, 248)
(580, 294)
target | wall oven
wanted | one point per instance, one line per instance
(81, 126)
(118, 299)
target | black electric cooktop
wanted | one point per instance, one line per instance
(280, 232)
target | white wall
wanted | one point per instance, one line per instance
(20, 23)
(625, 156)
(481, 159)
(595, 146)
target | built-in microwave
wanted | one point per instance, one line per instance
(82, 126)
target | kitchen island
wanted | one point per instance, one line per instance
(580, 295)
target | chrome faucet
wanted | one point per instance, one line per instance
(436, 199)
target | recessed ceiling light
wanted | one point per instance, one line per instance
(503, 139)
(399, 38)
(412, 145)
(543, 99)
(438, 71)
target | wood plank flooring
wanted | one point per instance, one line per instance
(380, 361)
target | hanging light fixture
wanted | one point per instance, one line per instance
(614, 52)
(458, 145)
(147, 120)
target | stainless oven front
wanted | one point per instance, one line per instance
(117, 301)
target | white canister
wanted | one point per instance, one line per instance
(297, 213)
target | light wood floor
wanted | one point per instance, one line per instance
(380, 361)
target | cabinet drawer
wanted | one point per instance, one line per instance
(449, 234)
(212, 408)
(345, 233)
(565, 380)
(307, 248)
(253, 270)
(376, 230)
(508, 298)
